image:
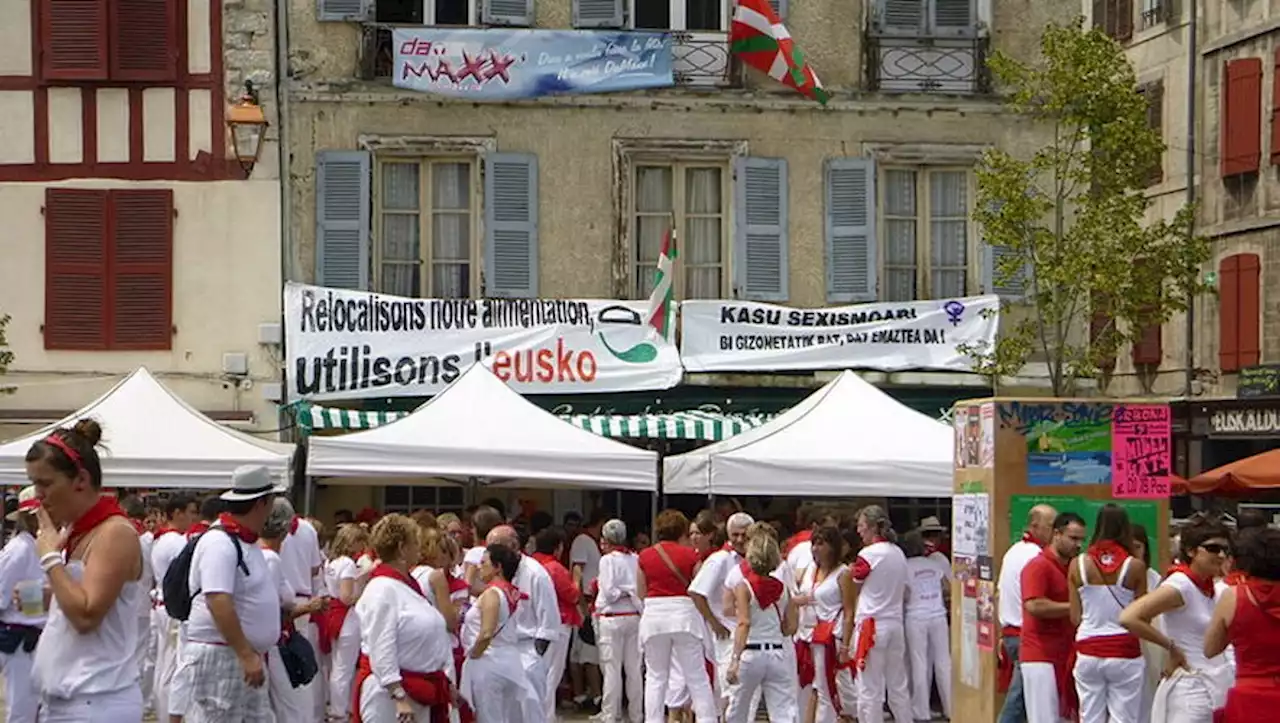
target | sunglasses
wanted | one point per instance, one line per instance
(1214, 548)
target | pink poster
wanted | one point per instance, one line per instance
(1141, 451)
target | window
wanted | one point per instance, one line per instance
(426, 228)
(680, 14)
(139, 43)
(1241, 125)
(407, 500)
(108, 269)
(1114, 17)
(1154, 95)
(692, 197)
(1155, 12)
(925, 246)
(427, 12)
(924, 18)
(1239, 313)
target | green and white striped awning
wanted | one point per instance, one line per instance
(694, 424)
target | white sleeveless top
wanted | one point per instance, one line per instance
(828, 602)
(506, 637)
(1101, 605)
(1187, 625)
(766, 623)
(68, 664)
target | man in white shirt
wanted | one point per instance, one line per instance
(145, 655)
(180, 511)
(1037, 534)
(584, 659)
(537, 618)
(880, 572)
(708, 592)
(300, 562)
(235, 608)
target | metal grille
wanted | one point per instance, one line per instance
(928, 65)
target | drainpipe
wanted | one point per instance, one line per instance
(1193, 62)
(286, 204)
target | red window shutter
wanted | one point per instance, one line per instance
(1275, 110)
(144, 40)
(1229, 314)
(75, 290)
(1099, 324)
(1124, 20)
(1241, 125)
(1250, 309)
(73, 44)
(142, 269)
(1146, 348)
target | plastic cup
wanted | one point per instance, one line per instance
(31, 597)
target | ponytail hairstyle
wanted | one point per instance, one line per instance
(69, 450)
(877, 519)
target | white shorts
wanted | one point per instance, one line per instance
(581, 653)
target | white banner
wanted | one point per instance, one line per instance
(353, 344)
(752, 337)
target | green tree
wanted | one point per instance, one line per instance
(1069, 220)
(6, 356)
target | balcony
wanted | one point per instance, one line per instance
(700, 59)
(928, 64)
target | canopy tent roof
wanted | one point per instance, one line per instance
(152, 438)
(480, 427)
(1236, 479)
(846, 439)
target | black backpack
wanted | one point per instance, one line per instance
(177, 586)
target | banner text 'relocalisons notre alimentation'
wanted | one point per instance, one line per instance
(353, 344)
(750, 336)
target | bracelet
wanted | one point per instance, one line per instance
(50, 560)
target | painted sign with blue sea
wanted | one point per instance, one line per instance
(1068, 443)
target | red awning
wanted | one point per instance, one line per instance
(1251, 474)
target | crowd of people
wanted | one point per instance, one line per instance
(234, 608)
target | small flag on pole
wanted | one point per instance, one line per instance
(759, 38)
(659, 312)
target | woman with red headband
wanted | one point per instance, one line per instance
(93, 561)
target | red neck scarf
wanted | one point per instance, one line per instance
(293, 524)
(1235, 578)
(1028, 537)
(163, 530)
(796, 539)
(1203, 584)
(767, 589)
(198, 528)
(1108, 555)
(510, 593)
(137, 525)
(1266, 595)
(230, 524)
(544, 559)
(384, 570)
(456, 584)
(104, 509)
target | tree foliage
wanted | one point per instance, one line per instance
(6, 356)
(1070, 219)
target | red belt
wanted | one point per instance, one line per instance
(1011, 631)
(1004, 664)
(1110, 646)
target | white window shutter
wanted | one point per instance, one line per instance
(760, 238)
(342, 219)
(850, 229)
(513, 13)
(511, 225)
(599, 13)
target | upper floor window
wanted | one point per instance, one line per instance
(426, 229)
(928, 46)
(925, 234)
(1114, 17)
(692, 198)
(119, 40)
(679, 14)
(427, 12)
(925, 18)
(1155, 12)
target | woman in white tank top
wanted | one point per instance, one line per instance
(94, 569)
(1194, 686)
(763, 653)
(493, 678)
(1109, 671)
(833, 601)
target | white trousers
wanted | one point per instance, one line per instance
(618, 643)
(1191, 696)
(1110, 689)
(20, 697)
(376, 706)
(287, 702)
(773, 674)
(557, 655)
(1040, 692)
(885, 671)
(313, 694)
(124, 706)
(724, 657)
(164, 630)
(146, 657)
(342, 667)
(535, 667)
(846, 691)
(660, 653)
(929, 645)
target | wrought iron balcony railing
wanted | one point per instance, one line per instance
(928, 65)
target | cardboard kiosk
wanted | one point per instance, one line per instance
(1011, 454)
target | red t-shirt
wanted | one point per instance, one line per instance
(567, 594)
(1046, 640)
(659, 580)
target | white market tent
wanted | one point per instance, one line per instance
(478, 427)
(151, 438)
(848, 439)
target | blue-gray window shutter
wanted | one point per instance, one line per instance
(511, 225)
(780, 7)
(343, 10)
(760, 240)
(952, 17)
(901, 17)
(850, 229)
(1013, 289)
(516, 13)
(599, 13)
(342, 219)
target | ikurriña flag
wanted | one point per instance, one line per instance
(759, 38)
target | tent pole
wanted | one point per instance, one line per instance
(308, 496)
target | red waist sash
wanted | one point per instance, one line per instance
(329, 623)
(1110, 646)
(428, 689)
(1004, 664)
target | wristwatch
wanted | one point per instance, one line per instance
(398, 694)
